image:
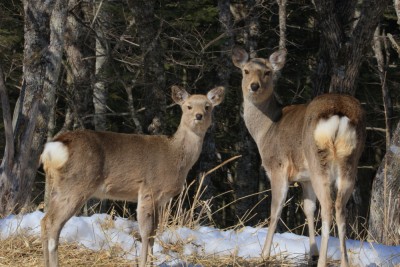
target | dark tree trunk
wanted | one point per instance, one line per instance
(148, 33)
(344, 40)
(42, 54)
(213, 184)
(247, 177)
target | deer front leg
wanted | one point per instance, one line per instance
(309, 199)
(148, 220)
(279, 188)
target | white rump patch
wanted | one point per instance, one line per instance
(55, 155)
(336, 134)
(325, 131)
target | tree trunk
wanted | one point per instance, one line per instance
(148, 31)
(345, 41)
(384, 218)
(100, 89)
(42, 54)
(79, 47)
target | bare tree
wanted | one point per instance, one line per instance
(80, 65)
(41, 71)
(100, 89)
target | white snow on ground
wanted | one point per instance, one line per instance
(100, 231)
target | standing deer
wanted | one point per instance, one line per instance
(149, 170)
(317, 145)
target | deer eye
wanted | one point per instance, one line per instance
(267, 72)
(246, 71)
(207, 108)
(189, 107)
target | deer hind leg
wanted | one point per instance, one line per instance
(322, 187)
(147, 215)
(61, 209)
(345, 186)
(309, 199)
(279, 188)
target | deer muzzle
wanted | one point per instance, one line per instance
(254, 87)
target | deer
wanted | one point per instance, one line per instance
(146, 169)
(318, 145)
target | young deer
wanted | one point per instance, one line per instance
(149, 170)
(317, 145)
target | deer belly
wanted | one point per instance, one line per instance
(117, 192)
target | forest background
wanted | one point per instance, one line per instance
(109, 65)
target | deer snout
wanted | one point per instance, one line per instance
(254, 87)
(199, 116)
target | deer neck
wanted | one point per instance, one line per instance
(189, 145)
(261, 116)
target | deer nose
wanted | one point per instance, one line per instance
(199, 116)
(254, 87)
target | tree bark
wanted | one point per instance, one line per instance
(384, 219)
(343, 41)
(100, 90)
(42, 54)
(79, 47)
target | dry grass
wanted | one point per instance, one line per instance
(25, 250)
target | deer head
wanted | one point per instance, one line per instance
(258, 73)
(197, 109)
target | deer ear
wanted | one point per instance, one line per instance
(179, 94)
(216, 95)
(278, 59)
(239, 56)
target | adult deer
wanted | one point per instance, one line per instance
(317, 145)
(149, 170)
